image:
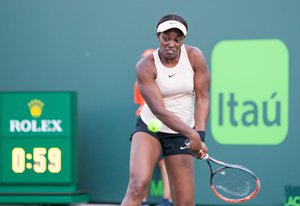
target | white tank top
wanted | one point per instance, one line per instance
(177, 87)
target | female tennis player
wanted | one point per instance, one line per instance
(174, 82)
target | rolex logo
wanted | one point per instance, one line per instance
(35, 107)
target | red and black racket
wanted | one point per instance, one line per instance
(231, 182)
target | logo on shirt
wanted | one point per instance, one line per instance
(171, 75)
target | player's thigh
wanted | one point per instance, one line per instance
(144, 154)
(181, 175)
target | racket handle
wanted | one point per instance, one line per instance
(206, 157)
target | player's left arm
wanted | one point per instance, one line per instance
(201, 87)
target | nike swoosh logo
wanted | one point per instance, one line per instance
(181, 147)
(171, 75)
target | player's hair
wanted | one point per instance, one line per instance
(172, 17)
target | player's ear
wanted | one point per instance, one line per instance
(158, 35)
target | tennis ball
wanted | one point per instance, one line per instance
(154, 125)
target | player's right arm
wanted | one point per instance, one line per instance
(146, 74)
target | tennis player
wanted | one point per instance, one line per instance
(174, 83)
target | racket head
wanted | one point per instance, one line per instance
(233, 183)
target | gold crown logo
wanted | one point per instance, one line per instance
(36, 107)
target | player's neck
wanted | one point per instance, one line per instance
(169, 62)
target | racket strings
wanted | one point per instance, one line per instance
(234, 183)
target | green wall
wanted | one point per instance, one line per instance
(91, 47)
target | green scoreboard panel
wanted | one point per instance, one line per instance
(38, 148)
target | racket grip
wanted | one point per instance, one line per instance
(206, 157)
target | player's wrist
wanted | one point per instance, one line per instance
(202, 135)
(193, 136)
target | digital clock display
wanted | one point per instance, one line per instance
(36, 161)
(41, 161)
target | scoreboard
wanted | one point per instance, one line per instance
(38, 133)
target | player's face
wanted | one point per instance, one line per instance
(170, 43)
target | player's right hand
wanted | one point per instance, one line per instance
(197, 146)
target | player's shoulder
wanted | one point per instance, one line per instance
(192, 50)
(146, 65)
(195, 55)
(145, 61)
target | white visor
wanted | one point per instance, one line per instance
(170, 25)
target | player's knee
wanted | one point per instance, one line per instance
(137, 188)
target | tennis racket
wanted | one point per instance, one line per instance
(231, 182)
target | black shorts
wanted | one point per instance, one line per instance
(171, 144)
